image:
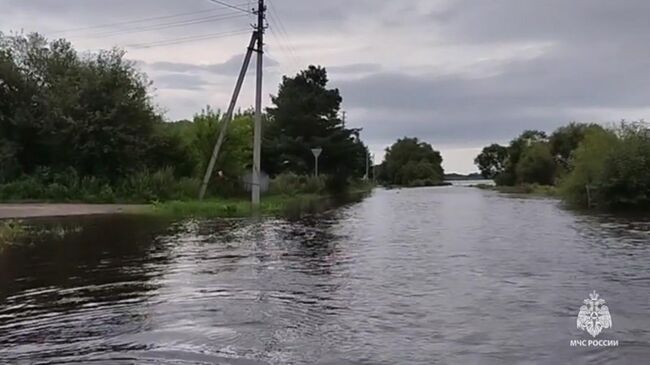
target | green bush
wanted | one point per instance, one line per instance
(614, 166)
(587, 166)
(142, 187)
(536, 165)
(292, 184)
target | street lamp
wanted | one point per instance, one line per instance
(316, 152)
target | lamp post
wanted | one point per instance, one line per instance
(316, 152)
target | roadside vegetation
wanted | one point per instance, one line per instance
(410, 162)
(11, 232)
(587, 165)
(83, 128)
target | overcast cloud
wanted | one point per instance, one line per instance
(458, 74)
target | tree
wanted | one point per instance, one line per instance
(305, 116)
(565, 140)
(625, 177)
(409, 162)
(515, 151)
(536, 165)
(61, 110)
(492, 161)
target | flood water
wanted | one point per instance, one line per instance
(450, 275)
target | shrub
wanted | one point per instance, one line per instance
(292, 184)
(587, 166)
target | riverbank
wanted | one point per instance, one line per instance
(216, 207)
(527, 189)
(239, 208)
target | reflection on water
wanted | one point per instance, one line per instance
(450, 275)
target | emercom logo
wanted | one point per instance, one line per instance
(593, 317)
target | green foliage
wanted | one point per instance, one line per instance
(305, 116)
(291, 184)
(588, 165)
(273, 205)
(492, 161)
(515, 151)
(565, 140)
(142, 187)
(605, 168)
(625, 178)
(536, 165)
(64, 110)
(82, 127)
(409, 162)
(11, 232)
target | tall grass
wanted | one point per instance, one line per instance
(141, 187)
(292, 184)
(10, 233)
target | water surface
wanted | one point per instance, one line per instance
(435, 275)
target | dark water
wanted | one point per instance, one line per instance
(448, 275)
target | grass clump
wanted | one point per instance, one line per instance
(11, 232)
(233, 208)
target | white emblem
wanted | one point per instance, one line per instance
(594, 315)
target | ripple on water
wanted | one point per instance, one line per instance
(451, 275)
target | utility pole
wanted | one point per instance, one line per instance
(227, 117)
(344, 117)
(257, 129)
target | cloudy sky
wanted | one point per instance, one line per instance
(458, 74)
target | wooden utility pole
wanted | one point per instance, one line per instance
(257, 129)
(227, 117)
(256, 38)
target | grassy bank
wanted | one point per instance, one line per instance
(525, 189)
(273, 205)
(216, 207)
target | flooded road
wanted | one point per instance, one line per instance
(435, 275)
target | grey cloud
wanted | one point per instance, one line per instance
(355, 68)
(180, 81)
(539, 93)
(231, 67)
(507, 20)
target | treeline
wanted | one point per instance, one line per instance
(410, 162)
(84, 127)
(589, 164)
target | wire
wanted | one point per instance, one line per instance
(134, 21)
(223, 3)
(282, 33)
(187, 39)
(167, 25)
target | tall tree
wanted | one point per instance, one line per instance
(410, 162)
(492, 161)
(64, 110)
(305, 115)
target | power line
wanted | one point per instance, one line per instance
(166, 25)
(187, 39)
(282, 32)
(134, 21)
(223, 3)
